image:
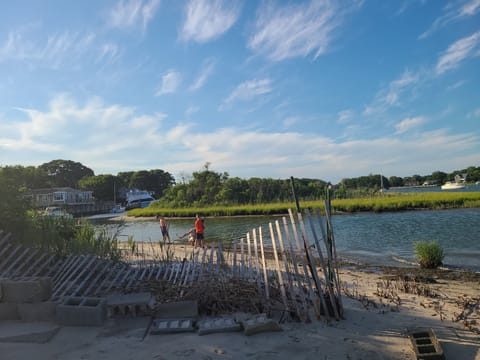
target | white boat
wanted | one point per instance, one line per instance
(459, 183)
(138, 199)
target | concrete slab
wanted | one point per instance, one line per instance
(216, 325)
(258, 324)
(8, 311)
(26, 290)
(81, 311)
(42, 311)
(35, 332)
(131, 326)
(177, 310)
(165, 326)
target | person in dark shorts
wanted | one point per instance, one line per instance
(199, 232)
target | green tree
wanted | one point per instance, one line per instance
(103, 186)
(65, 173)
(13, 205)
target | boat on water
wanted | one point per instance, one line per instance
(458, 183)
(138, 199)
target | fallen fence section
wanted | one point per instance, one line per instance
(294, 276)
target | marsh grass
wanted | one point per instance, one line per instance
(378, 203)
(429, 254)
(63, 236)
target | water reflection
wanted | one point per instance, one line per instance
(385, 238)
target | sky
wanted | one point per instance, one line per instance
(311, 89)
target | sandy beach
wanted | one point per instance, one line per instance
(378, 315)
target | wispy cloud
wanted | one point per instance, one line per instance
(205, 72)
(128, 13)
(206, 20)
(249, 90)
(452, 14)
(390, 95)
(458, 52)
(171, 80)
(295, 30)
(58, 50)
(409, 124)
(344, 116)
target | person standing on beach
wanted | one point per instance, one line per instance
(199, 231)
(164, 228)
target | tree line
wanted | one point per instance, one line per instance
(204, 187)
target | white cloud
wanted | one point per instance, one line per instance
(458, 52)
(206, 20)
(344, 116)
(110, 138)
(474, 114)
(249, 90)
(390, 95)
(295, 30)
(66, 49)
(409, 124)
(452, 14)
(128, 13)
(205, 72)
(170, 82)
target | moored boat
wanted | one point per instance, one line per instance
(458, 183)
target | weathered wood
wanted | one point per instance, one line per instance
(9, 257)
(288, 273)
(80, 265)
(35, 263)
(264, 265)
(85, 280)
(15, 262)
(25, 263)
(277, 264)
(249, 252)
(71, 268)
(74, 281)
(304, 265)
(330, 291)
(117, 274)
(257, 262)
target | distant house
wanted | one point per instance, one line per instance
(60, 197)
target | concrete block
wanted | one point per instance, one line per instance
(168, 326)
(210, 326)
(41, 311)
(177, 310)
(27, 290)
(135, 304)
(81, 311)
(258, 324)
(8, 311)
(425, 344)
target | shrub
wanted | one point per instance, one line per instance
(429, 254)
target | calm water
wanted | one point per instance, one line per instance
(386, 238)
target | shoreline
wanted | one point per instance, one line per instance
(381, 306)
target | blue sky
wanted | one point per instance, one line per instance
(320, 89)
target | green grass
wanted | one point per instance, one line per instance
(380, 203)
(429, 254)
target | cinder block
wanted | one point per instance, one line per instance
(425, 344)
(210, 326)
(29, 290)
(177, 310)
(129, 304)
(41, 311)
(8, 311)
(81, 311)
(164, 326)
(258, 324)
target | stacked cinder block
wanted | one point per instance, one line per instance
(26, 299)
